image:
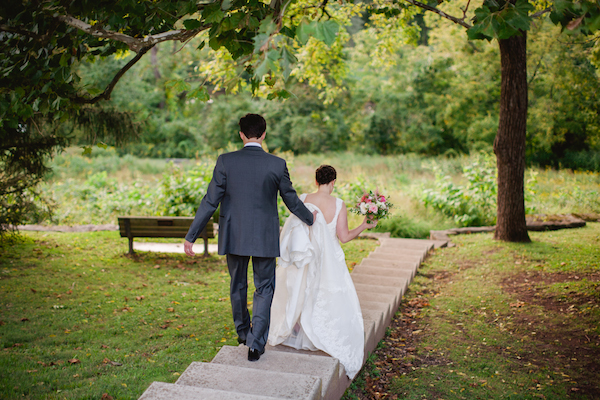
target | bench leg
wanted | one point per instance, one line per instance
(205, 247)
(131, 246)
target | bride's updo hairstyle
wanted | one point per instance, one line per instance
(325, 174)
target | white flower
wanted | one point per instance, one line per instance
(363, 208)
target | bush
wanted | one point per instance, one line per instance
(182, 190)
(401, 227)
(473, 204)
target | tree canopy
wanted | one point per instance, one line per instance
(265, 47)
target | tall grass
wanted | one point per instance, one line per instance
(96, 189)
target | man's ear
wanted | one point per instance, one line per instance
(242, 136)
(262, 137)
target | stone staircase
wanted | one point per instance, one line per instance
(285, 373)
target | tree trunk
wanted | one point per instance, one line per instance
(509, 145)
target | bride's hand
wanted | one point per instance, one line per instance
(370, 222)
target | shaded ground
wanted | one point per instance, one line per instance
(559, 338)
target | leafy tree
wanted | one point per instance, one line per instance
(43, 43)
(508, 22)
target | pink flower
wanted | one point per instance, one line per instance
(373, 208)
(382, 199)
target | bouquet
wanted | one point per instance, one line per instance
(373, 205)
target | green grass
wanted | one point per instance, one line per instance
(503, 321)
(128, 321)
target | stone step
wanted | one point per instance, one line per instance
(326, 368)
(399, 265)
(397, 292)
(385, 308)
(383, 272)
(388, 251)
(366, 279)
(370, 340)
(375, 316)
(389, 299)
(251, 381)
(408, 243)
(171, 391)
(415, 259)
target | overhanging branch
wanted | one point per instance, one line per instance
(541, 12)
(459, 21)
(134, 44)
(105, 95)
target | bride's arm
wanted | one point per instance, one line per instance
(344, 234)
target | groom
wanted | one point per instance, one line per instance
(245, 183)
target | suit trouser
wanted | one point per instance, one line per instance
(255, 334)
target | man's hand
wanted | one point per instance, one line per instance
(187, 247)
(314, 216)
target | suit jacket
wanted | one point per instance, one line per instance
(246, 183)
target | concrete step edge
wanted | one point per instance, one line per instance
(252, 381)
(162, 391)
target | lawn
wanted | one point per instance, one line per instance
(494, 320)
(80, 318)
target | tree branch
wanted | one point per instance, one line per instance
(541, 12)
(23, 32)
(105, 95)
(134, 44)
(458, 21)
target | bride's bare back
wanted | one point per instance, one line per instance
(325, 202)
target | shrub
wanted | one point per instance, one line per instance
(182, 190)
(473, 204)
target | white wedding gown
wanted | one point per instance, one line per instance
(315, 306)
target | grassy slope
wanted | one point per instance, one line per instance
(491, 320)
(78, 318)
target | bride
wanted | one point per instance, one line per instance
(315, 306)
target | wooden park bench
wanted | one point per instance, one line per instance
(163, 227)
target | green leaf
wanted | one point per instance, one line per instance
(87, 151)
(213, 14)
(284, 94)
(201, 45)
(270, 81)
(327, 31)
(287, 62)
(177, 85)
(305, 30)
(259, 41)
(191, 24)
(199, 93)
(102, 145)
(267, 26)
(226, 5)
(289, 32)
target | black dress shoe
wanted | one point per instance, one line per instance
(254, 355)
(241, 341)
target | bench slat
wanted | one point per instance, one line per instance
(166, 227)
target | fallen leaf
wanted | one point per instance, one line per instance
(74, 361)
(33, 290)
(156, 266)
(116, 364)
(104, 346)
(24, 319)
(140, 298)
(170, 309)
(106, 396)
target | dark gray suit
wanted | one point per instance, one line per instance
(246, 184)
